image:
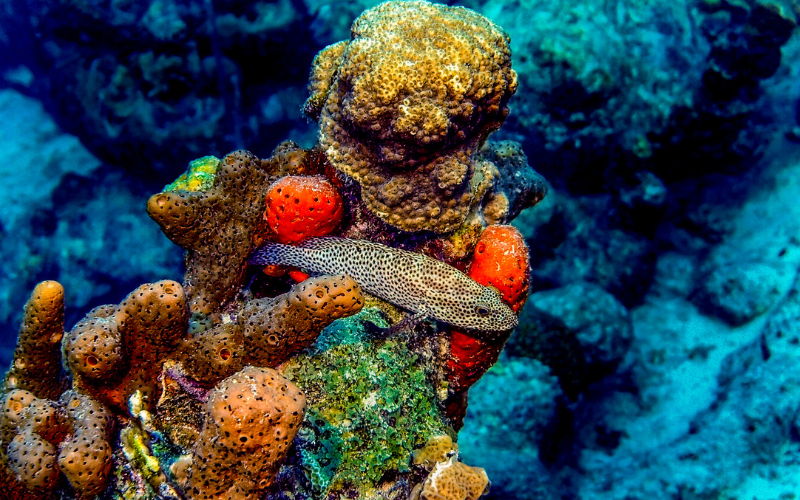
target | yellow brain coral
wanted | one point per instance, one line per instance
(407, 102)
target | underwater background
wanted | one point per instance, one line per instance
(657, 356)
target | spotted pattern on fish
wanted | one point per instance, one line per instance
(413, 281)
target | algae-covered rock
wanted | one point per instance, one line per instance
(370, 404)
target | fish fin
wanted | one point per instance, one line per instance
(320, 243)
(407, 323)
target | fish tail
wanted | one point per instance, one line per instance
(279, 254)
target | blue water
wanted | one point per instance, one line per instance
(664, 256)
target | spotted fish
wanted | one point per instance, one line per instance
(426, 286)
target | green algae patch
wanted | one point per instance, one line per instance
(198, 177)
(369, 404)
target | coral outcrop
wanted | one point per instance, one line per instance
(239, 384)
(405, 105)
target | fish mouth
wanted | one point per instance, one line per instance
(514, 322)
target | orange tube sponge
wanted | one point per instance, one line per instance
(302, 207)
(267, 331)
(405, 105)
(85, 457)
(252, 418)
(500, 259)
(117, 350)
(37, 358)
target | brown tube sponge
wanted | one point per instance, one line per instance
(37, 358)
(252, 418)
(117, 350)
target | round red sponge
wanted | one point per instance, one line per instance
(501, 260)
(303, 207)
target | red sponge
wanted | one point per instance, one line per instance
(500, 260)
(303, 207)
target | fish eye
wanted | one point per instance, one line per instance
(482, 311)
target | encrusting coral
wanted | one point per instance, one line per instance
(449, 479)
(405, 105)
(198, 389)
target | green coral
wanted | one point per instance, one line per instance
(198, 177)
(370, 403)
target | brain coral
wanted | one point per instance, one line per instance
(407, 102)
(449, 479)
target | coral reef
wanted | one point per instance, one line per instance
(580, 331)
(627, 106)
(406, 103)
(181, 80)
(239, 383)
(737, 291)
(371, 403)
